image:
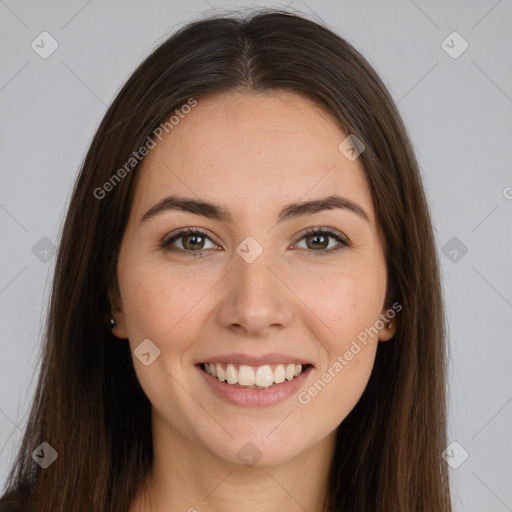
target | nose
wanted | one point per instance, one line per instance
(257, 300)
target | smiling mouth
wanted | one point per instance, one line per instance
(254, 377)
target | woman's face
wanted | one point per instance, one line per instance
(251, 289)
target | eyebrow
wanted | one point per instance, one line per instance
(218, 212)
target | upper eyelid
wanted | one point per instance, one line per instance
(322, 229)
(186, 232)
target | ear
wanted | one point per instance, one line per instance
(390, 321)
(116, 307)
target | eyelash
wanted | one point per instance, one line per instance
(344, 243)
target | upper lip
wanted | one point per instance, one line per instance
(260, 360)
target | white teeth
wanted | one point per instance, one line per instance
(264, 376)
(246, 376)
(252, 377)
(221, 375)
(279, 374)
(231, 375)
(290, 372)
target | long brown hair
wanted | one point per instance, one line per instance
(89, 405)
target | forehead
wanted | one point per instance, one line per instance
(252, 150)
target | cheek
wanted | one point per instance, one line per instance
(157, 302)
(337, 388)
(345, 303)
(166, 306)
(347, 307)
(163, 307)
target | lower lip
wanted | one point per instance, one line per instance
(255, 397)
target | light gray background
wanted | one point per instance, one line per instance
(458, 112)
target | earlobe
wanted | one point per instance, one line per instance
(389, 329)
(116, 320)
(387, 333)
(117, 330)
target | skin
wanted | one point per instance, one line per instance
(253, 154)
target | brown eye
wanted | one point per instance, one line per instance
(189, 241)
(318, 240)
(193, 241)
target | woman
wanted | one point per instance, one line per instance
(246, 311)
